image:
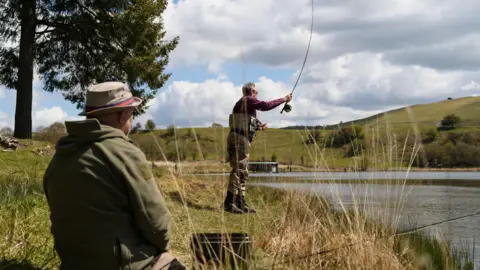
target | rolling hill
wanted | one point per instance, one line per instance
(467, 108)
(422, 115)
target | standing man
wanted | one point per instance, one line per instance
(106, 209)
(243, 126)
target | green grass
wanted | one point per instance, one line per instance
(210, 144)
(288, 225)
(29, 162)
(24, 226)
(426, 252)
(384, 150)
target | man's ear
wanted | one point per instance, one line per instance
(122, 117)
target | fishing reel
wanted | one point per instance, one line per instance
(287, 108)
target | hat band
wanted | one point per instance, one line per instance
(118, 104)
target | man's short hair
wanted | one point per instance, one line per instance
(247, 88)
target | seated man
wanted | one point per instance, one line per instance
(106, 209)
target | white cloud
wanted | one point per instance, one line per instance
(5, 120)
(366, 81)
(345, 88)
(201, 104)
(45, 117)
(472, 85)
(214, 31)
(365, 56)
(2, 92)
(275, 32)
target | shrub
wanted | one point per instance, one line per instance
(149, 145)
(150, 125)
(345, 136)
(274, 158)
(450, 121)
(430, 135)
(452, 152)
(313, 137)
(52, 133)
(136, 128)
(355, 148)
(170, 130)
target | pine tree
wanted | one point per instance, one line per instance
(74, 43)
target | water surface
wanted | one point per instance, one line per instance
(412, 204)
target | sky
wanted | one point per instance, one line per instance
(366, 56)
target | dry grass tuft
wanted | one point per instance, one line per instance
(309, 226)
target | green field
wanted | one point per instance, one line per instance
(210, 144)
(289, 224)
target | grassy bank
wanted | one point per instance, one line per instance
(212, 166)
(288, 225)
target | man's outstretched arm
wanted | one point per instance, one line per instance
(266, 105)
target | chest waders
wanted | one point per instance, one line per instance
(244, 124)
(242, 131)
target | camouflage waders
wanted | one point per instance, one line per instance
(238, 147)
(239, 153)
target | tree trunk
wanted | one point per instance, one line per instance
(23, 109)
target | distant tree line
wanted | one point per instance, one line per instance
(350, 138)
(453, 149)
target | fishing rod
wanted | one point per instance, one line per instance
(287, 107)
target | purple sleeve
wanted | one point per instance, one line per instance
(265, 105)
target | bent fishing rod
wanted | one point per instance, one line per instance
(287, 107)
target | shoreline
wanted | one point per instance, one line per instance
(212, 166)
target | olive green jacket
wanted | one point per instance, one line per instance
(106, 209)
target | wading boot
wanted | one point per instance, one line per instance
(242, 204)
(230, 204)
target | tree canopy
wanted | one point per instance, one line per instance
(150, 125)
(450, 120)
(72, 44)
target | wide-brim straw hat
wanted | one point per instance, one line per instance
(108, 97)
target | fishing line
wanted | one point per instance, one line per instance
(477, 212)
(287, 108)
(244, 75)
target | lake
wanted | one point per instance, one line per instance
(415, 198)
